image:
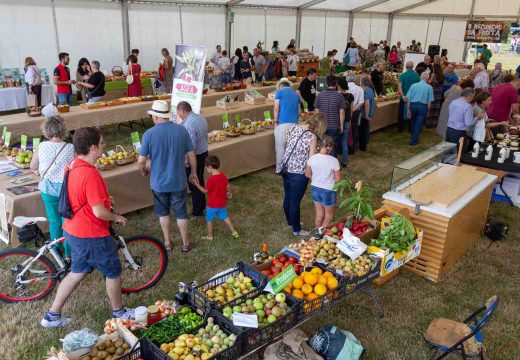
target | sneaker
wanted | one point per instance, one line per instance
(124, 314)
(301, 233)
(206, 238)
(60, 322)
(235, 235)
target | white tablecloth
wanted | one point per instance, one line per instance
(16, 98)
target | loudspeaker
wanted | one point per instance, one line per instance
(434, 50)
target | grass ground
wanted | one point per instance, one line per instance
(410, 302)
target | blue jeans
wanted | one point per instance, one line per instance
(419, 112)
(226, 77)
(453, 135)
(164, 201)
(344, 143)
(55, 220)
(65, 98)
(294, 186)
(336, 136)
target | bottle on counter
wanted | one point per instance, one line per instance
(264, 255)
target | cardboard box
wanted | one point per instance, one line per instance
(226, 105)
(370, 234)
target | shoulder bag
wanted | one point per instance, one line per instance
(130, 77)
(42, 176)
(64, 207)
(285, 164)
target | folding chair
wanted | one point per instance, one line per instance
(462, 338)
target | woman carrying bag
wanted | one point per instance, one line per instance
(133, 78)
(33, 81)
(49, 162)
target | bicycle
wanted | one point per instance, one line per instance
(30, 274)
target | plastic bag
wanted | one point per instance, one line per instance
(79, 339)
(49, 110)
(351, 246)
(336, 344)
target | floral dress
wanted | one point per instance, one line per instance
(297, 149)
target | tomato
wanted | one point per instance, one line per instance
(275, 270)
(275, 261)
(278, 265)
(266, 272)
(283, 267)
(282, 259)
(270, 277)
(293, 259)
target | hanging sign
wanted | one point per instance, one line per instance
(188, 81)
(23, 142)
(267, 115)
(486, 31)
(136, 142)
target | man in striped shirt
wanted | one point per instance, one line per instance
(332, 104)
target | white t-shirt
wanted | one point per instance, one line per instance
(323, 167)
(293, 61)
(224, 64)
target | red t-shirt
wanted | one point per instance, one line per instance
(217, 188)
(504, 95)
(63, 74)
(86, 189)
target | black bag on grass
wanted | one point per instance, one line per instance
(336, 344)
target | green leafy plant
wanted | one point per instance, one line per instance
(190, 61)
(355, 201)
(397, 236)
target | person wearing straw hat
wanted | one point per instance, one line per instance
(166, 145)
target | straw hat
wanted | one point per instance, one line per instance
(283, 80)
(160, 109)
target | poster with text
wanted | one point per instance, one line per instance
(486, 31)
(188, 80)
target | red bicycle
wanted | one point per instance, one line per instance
(31, 275)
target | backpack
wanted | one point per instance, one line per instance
(64, 207)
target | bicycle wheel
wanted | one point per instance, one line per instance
(36, 283)
(150, 254)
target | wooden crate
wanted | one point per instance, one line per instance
(445, 240)
(255, 101)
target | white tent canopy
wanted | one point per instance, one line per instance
(106, 30)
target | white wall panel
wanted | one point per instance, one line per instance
(26, 29)
(248, 28)
(369, 28)
(337, 33)
(401, 30)
(497, 7)
(452, 38)
(91, 29)
(313, 32)
(281, 26)
(445, 7)
(204, 27)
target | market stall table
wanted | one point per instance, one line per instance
(13, 98)
(119, 88)
(385, 114)
(131, 191)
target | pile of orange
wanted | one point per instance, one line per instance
(312, 284)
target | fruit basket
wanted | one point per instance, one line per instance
(148, 98)
(145, 349)
(216, 136)
(222, 289)
(233, 131)
(34, 111)
(117, 71)
(247, 127)
(23, 159)
(115, 102)
(163, 96)
(63, 108)
(357, 272)
(124, 157)
(105, 163)
(268, 330)
(259, 126)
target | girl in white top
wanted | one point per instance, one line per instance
(324, 171)
(293, 60)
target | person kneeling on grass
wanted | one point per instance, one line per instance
(324, 171)
(218, 190)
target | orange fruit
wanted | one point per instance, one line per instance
(316, 270)
(320, 289)
(328, 274)
(288, 289)
(311, 296)
(297, 283)
(307, 289)
(332, 283)
(297, 293)
(322, 280)
(310, 279)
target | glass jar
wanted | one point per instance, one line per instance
(141, 314)
(153, 315)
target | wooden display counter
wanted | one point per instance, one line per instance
(452, 220)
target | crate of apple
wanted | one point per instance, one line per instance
(279, 264)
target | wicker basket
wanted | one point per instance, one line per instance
(105, 167)
(117, 71)
(248, 131)
(22, 166)
(126, 160)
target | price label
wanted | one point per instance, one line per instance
(237, 120)
(267, 115)
(23, 141)
(36, 143)
(245, 320)
(111, 152)
(280, 281)
(225, 120)
(136, 142)
(7, 138)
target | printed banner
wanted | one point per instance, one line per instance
(486, 31)
(188, 81)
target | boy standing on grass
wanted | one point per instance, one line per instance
(218, 190)
(324, 171)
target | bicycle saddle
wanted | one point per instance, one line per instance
(21, 221)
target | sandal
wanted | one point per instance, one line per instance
(168, 246)
(186, 249)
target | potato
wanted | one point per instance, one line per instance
(119, 343)
(93, 352)
(120, 351)
(95, 358)
(111, 350)
(101, 347)
(102, 355)
(108, 343)
(126, 346)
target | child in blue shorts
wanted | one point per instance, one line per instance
(324, 171)
(218, 190)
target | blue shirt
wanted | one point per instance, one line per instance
(289, 104)
(197, 127)
(369, 95)
(449, 81)
(166, 144)
(461, 115)
(420, 92)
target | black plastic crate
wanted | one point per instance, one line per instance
(355, 282)
(255, 338)
(146, 351)
(199, 300)
(312, 307)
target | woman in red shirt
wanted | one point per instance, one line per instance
(393, 57)
(134, 69)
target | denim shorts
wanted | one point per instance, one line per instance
(211, 213)
(323, 196)
(95, 253)
(164, 201)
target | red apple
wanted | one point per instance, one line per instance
(278, 265)
(293, 260)
(275, 261)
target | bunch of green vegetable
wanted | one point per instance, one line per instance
(171, 327)
(397, 236)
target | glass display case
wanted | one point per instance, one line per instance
(407, 172)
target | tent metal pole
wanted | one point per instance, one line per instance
(467, 44)
(413, 6)
(126, 28)
(265, 25)
(325, 37)
(55, 23)
(180, 23)
(427, 32)
(440, 32)
(350, 24)
(227, 43)
(389, 28)
(298, 27)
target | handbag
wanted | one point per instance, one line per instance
(130, 77)
(283, 168)
(42, 176)
(31, 100)
(64, 207)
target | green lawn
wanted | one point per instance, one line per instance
(410, 302)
